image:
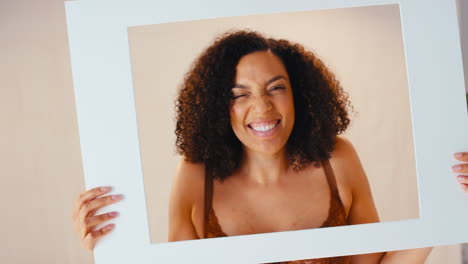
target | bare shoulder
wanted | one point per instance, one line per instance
(188, 182)
(186, 201)
(344, 151)
(344, 157)
(347, 169)
(190, 171)
(350, 172)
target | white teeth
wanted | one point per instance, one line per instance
(263, 128)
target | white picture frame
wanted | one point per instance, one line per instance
(102, 77)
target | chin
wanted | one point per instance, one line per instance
(267, 150)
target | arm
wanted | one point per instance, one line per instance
(187, 189)
(363, 210)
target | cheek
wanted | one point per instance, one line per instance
(237, 115)
(286, 105)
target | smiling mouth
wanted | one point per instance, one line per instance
(264, 126)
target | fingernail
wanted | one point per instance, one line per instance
(116, 197)
(112, 214)
(458, 155)
(105, 189)
(461, 177)
(457, 168)
(109, 227)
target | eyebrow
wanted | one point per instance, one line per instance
(274, 79)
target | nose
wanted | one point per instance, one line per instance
(262, 104)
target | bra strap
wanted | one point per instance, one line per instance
(208, 199)
(331, 180)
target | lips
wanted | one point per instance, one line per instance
(264, 128)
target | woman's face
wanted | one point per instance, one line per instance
(262, 106)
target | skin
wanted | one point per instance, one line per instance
(85, 219)
(462, 169)
(262, 95)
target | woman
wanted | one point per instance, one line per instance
(257, 124)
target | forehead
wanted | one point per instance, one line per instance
(259, 66)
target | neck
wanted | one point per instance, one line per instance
(264, 169)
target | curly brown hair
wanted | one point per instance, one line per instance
(203, 127)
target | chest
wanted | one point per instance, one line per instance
(299, 203)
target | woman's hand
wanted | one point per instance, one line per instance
(84, 217)
(462, 168)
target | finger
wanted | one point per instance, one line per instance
(97, 204)
(460, 168)
(79, 225)
(462, 179)
(93, 194)
(78, 221)
(98, 219)
(82, 227)
(92, 237)
(87, 196)
(461, 156)
(464, 187)
(83, 231)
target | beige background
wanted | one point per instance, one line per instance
(363, 46)
(39, 147)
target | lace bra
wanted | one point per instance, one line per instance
(336, 216)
